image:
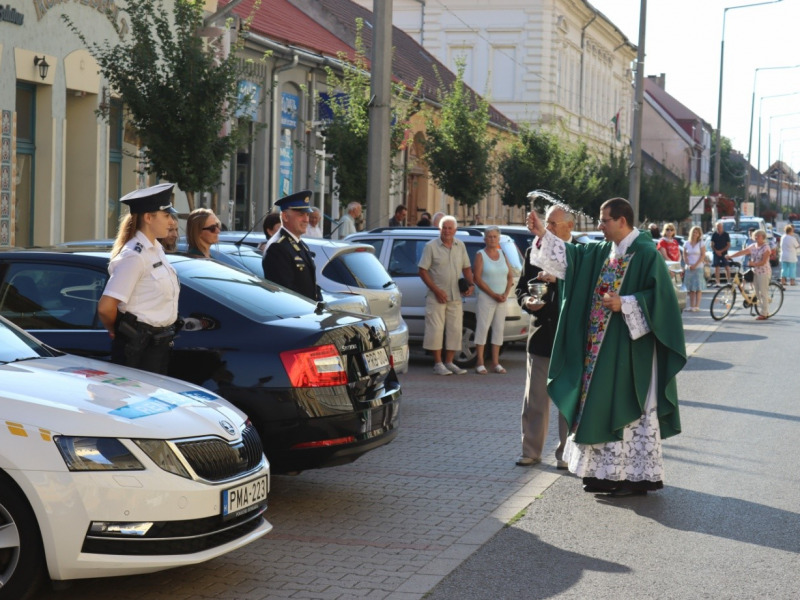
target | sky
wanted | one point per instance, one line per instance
(683, 41)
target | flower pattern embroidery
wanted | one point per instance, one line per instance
(610, 279)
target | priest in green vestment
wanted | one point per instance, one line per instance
(619, 345)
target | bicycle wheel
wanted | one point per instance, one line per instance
(722, 302)
(775, 291)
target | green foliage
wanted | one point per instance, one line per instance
(179, 93)
(732, 172)
(537, 160)
(662, 199)
(458, 145)
(346, 137)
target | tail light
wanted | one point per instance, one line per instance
(320, 366)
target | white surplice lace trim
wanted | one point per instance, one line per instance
(551, 257)
(634, 319)
(637, 457)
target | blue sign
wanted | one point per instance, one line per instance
(289, 106)
(286, 169)
(249, 99)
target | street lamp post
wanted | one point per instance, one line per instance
(750, 139)
(718, 155)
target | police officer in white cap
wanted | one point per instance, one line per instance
(287, 260)
(139, 306)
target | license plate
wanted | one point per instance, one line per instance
(376, 360)
(237, 500)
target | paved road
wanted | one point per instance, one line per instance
(397, 522)
(726, 525)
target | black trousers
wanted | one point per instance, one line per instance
(141, 353)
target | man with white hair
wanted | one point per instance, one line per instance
(444, 261)
(314, 229)
(347, 224)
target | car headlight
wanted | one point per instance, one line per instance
(161, 453)
(96, 454)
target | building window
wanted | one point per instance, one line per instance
(504, 72)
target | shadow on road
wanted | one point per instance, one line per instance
(706, 364)
(548, 570)
(698, 512)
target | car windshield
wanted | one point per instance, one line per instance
(16, 345)
(360, 268)
(253, 297)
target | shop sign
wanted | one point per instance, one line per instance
(11, 15)
(289, 104)
(249, 99)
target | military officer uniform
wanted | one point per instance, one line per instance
(287, 260)
(146, 285)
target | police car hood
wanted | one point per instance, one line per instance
(77, 396)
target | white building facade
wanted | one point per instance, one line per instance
(557, 64)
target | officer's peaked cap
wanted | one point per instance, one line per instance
(150, 199)
(297, 201)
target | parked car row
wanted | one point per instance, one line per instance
(318, 385)
(399, 250)
(343, 269)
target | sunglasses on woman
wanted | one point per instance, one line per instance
(212, 228)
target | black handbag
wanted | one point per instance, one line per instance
(463, 286)
(749, 275)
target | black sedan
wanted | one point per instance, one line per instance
(318, 385)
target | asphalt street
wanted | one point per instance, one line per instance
(443, 513)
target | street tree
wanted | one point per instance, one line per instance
(538, 160)
(180, 94)
(458, 145)
(663, 198)
(347, 133)
(732, 171)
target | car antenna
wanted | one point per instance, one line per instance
(249, 231)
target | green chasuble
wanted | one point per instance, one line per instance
(618, 390)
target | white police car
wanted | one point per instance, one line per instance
(106, 470)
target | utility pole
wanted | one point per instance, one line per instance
(379, 159)
(638, 110)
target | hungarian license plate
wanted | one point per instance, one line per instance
(376, 359)
(238, 500)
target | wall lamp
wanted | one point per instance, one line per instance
(43, 66)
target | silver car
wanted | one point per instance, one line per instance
(399, 250)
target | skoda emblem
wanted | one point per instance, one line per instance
(228, 427)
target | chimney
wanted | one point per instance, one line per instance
(659, 80)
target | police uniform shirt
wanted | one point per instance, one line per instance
(288, 262)
(144, 282)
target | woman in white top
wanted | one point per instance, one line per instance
(789, 248)
(139, 305)
(694, 254)
(494, 278)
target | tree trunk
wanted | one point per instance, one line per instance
(190, 200)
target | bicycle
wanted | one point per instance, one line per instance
(724, 300)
